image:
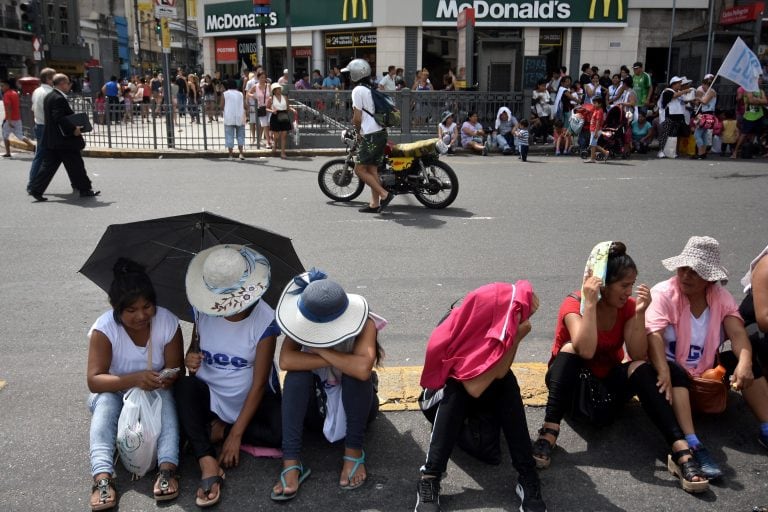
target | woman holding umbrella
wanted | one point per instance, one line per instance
(232, 395)
(123, 341)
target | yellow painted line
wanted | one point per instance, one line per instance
(2, 384)
(399, 387)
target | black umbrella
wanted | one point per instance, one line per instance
(166, 246)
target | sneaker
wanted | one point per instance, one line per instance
(708, 465)
(661, 155)
(428, 495)
(529, 492)
(485, 150)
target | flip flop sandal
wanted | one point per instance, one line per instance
(103, 485)
(303, 475)
(164, 477)
(357, 460)
(542, 449)
(686, 471)
(206, 484)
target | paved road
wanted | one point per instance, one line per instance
(511, 220)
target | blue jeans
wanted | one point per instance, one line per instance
(299, 405)
(37, 161)
(105, 409)
(502, 142)
(230, 132)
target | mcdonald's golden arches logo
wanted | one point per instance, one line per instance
(607, 9)
(345, 10)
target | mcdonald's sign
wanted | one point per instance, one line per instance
(563, 13)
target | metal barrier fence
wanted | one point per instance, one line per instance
(321, 117)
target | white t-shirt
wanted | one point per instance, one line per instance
(126, 356)
(37, 102)
(229, 353)
(698, 338)
(279, 104)
(387, 83)
(363, 100)
(233, 107)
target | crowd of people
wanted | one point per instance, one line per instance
(613, 341)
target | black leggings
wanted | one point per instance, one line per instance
(502, 397)
(563, 382)
(193, 404)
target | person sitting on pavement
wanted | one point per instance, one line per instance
(448, 131)
(592, 328)
(331, 343)
(754, 307)
(502, 134)
(473, 135)
(642, 133)
(232, 395)
(123, 341)
(468, 360)
(690, 313)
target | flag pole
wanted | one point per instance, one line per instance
(671, 34)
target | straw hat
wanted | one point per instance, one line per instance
(702, 254)
(226, 279)
(275, 86)
(316, 312)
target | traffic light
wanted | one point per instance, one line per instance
(29, 16)
(157, 26)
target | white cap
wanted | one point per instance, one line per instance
(709, 76)
(675, 79)
(285, 71)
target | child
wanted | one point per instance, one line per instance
(595, 126)
(101, 108)
(448, 131)
(521, 136)
(560, 138)
(128, 104)
(730, 133)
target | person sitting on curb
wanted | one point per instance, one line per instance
(123, 341)
(448, 131)
(331, 344)
(232, 395)
(754, 307)
(468, 359)
(592, 329)
(685, 326)
(473, 135)
(502, 134)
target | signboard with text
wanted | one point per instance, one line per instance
(501, 13)
(165, 8)
(336, 40)
(239, 17)
(741, 13)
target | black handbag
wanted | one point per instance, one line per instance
(593, 400)
(261, 111)
(283, 116)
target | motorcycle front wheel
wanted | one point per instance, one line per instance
(337, 180)
(442, 186)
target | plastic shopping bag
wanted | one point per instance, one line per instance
(335, 424)
(138, 430)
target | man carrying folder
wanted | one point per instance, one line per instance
(62, 142)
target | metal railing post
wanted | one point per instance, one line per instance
(405, 111)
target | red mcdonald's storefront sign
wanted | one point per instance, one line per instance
(226, 51)
(741, 13)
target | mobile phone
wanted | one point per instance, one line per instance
(169, 372)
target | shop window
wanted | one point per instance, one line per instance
(64, 25)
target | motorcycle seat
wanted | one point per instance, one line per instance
(415, 149)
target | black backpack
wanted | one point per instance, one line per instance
(385, 113)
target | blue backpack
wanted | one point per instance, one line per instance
(384, 113)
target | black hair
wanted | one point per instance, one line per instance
(585, 67)
(627, 81)
(231, 84)
(620, 264)
(129, 284)
(524, 123)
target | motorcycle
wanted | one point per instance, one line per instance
(411, 168)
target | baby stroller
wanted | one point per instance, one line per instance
(613, 133)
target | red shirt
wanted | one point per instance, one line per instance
(610, 351)
(11, 104)
(596, 122)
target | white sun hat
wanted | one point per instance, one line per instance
(317, 312)
(702, 254)
(226, 279)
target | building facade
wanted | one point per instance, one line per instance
(512, 38)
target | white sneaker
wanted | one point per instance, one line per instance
(661, 154)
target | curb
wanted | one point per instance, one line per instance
(538, 149)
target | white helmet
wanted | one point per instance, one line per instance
(357, 69)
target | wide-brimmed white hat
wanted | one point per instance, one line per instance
(276, 86)
(317, 312)
(702, 254)
(226, 279)
(675, 79)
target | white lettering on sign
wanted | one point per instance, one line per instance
(236, 22)
(541, 10)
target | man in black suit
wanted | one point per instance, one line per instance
(63, 143)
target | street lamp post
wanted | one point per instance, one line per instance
(671, 35)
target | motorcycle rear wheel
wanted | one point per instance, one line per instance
(443, 186)
(337, 180)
